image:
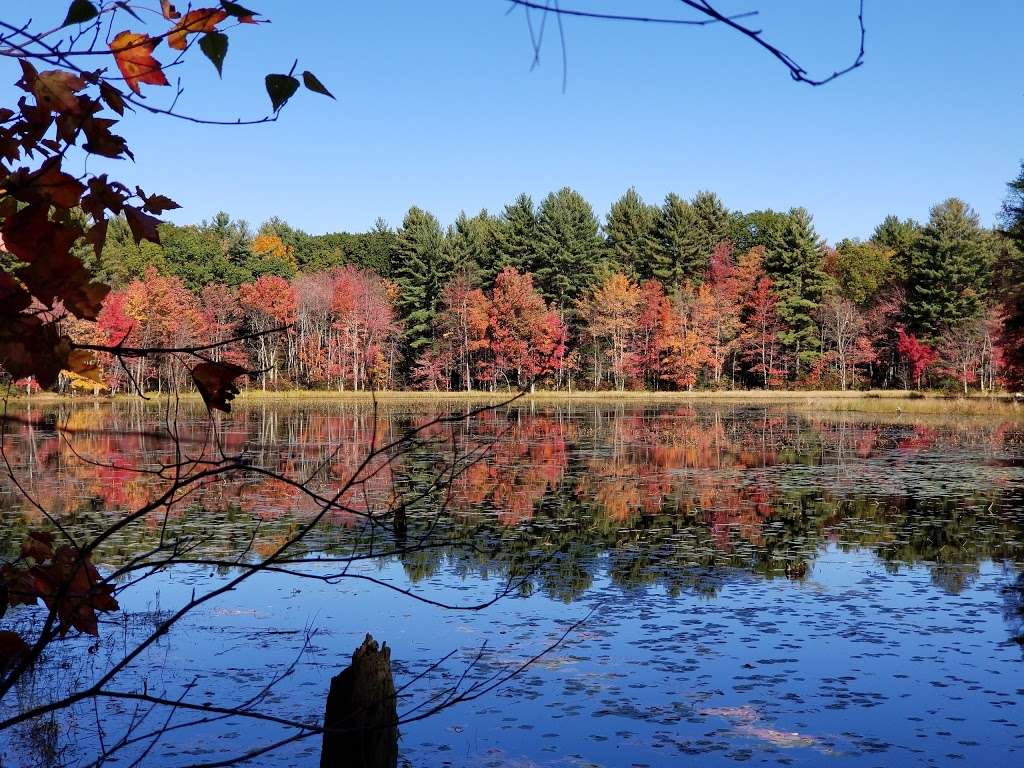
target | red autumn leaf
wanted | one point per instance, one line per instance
(216, 383)
(12, 648)
(38, 546)
(51, 271)
(13, 297)
(199, 20)
(70, 586)
(142, 225)
(55, 89)
(97, 236)
(133, 53)
(47, 183)
(30, 347)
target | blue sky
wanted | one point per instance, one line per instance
(437, 107)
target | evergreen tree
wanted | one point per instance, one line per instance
(949, 271)
(468, 248)
(419, 273)
(1011, 272)
(672, 232)
(376, 249)
(686, 236)
(630, 235)
(793, 261)
(710, 227)
(568, 248)
(514, 238)
(898, 236)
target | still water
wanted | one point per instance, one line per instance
(714, 585)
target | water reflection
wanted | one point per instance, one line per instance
(810, 532)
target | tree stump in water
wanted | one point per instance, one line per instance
(362, 712)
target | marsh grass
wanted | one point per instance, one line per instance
(871, 401)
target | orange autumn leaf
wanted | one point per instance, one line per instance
(169, 11)
(133, 53)
(199, 20)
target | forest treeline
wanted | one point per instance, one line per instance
(682, 295)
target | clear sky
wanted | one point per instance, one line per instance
(437, 107)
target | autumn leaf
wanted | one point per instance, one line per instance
(55, 89)
(50, 183)
(38, 546)
(133, 53)
(112, 97)
(216, 383)
(156, 204)
(12, 648)
(13, 297)
(84, 363)
(51, 271)
(169, 11)
(199, 20)
(30, 347)
(70, 586)
(142, 225)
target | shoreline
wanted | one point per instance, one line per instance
(868, 401)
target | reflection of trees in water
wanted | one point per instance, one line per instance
(1013, 608)
(652, 495)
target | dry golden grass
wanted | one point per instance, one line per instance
(873, 401)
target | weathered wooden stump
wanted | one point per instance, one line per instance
(362, 713)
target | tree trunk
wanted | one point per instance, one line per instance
(362, 715)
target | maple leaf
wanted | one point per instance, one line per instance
(30, 347)
(48, 183)
(133, 52)
(142, 225)
(70, 586)
(199, 20)
(216, 383)
(51, 271)
(55, 89)
(156, 204)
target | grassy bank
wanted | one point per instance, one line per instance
(875, 401)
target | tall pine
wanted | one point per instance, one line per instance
(419, 272)
(514, 237)
(568, 248)
(949, 271)
(630, 236)
(793, 260)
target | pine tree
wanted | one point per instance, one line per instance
(514, 237)
(419, 273)
(629, 234)
(898, 236)
(793, 261)
(468, 248)
(671, 232)
(568, 248)
(686, 236)
(949, 271)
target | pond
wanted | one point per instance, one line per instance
(711, 584)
